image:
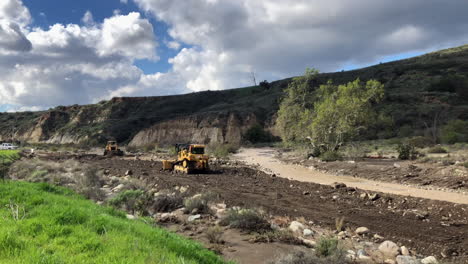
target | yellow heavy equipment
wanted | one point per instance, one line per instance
(112, 149)
(190, 158)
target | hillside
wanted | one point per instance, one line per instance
(418, 91)
(47, 224)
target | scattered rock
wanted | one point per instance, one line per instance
(429, 260)
(308, 242)
(404, 251)
(363, 195)
(362, 230)
(389, 249)
(390, 261)
(378, 237)
(307, 232)
(128, 173)
(362, 253)
(396, 165)
(374, 196)
(193, 217)
(306, 193)
(106, 172)
(296, 227)
(118, 188)
(406, 260)
(132, 217)
(339, 185)
(351, 255)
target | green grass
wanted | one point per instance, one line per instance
(43, 223)
(8, 156)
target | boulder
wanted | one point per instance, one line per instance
(404, 251)
(407, 260)
(389, 249)
(429, 260)
(362, 230)
(296, 227)
(307, 232)
(193, 217)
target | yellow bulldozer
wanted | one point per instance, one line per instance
(190, 158)
(112, 149)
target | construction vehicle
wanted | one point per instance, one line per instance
(112, 149)
(190, 158)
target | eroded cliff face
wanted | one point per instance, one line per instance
(202, 129)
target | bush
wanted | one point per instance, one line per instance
(134, 201)
(199, 204)
(221, 150)
(330, 156)
(407, 152)
(283, 236)
(420, 142)
(214, 235)
(326, 246)
(167, 202)
(247, 220)
(256, 134)
(455, 131)
(437, 149)
(265, 85)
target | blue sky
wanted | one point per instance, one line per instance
(49, 56)
(46, 13)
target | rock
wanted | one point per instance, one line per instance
(183, 189)
(306, 193)
(351, 161)
(390, 261)
(406, 260)
(335, 197)
(296, 227)
(308, 242)
(339, 185)
(351, 255)
(429, 260)
(374, 196)
(363, 195)
(404, 251)
(106, 172)
(128, 173)
(132, 217)
(389, 249)
(396, 165)
(362, 253)
(118, 188)
(362, 230)
(193, 217)
(307, 232)
(378, 237)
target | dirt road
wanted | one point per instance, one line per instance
(265, 157)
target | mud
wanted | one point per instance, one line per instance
(425, 226)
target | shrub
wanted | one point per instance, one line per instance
(284, 236)
(256, 134)
(330, 156)
(214, 235)
(134, 201)
(265, 84)
(326, 246)
(247, 220)
(221, 150)
(437, 149)
(464, 164)
(407, 152)
(199, 204)
(420, 142)
(167, 202)
(455, 131)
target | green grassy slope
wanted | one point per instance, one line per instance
(42, 223)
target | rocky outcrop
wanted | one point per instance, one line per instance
(206, 129)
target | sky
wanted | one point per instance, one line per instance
(64, 52)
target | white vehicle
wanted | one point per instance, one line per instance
(7, 146)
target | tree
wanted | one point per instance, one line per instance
(342, 111)
(294, 114)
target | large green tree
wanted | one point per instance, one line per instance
(341, 112)
(328, 116)
(294, 114)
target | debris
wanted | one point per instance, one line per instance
(193, 217)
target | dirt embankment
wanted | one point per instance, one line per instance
(425, 226)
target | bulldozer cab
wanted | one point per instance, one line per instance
(186, 149)
(111, 145)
